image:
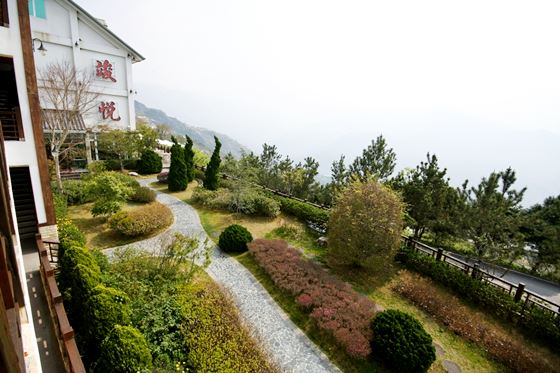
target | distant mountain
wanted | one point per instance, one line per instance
(203, 138)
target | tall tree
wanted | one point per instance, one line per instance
(213, 167)
(118, 143)
(492, 216)
(376, 160)
(67, 93)
(431, 201)
(189, 158)
(177, 179)
(542, 229)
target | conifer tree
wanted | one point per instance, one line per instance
(189, 159)
(211, 175)
(177, 178)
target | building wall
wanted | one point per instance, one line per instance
(69, 35)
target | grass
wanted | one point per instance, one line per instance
(184, 195)
(97, 231)
(470, 357)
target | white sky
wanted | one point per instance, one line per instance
(475, 82)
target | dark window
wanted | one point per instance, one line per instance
(4, 21)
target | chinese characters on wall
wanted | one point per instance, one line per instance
(104, 70)
(107, 110)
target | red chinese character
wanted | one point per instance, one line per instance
(104, 70)
(107, 109)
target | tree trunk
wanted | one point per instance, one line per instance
(56, 159)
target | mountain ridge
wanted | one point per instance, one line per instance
(203, 138)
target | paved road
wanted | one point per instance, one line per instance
(544, 288)
(287, 345)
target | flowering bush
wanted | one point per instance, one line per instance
(141, 221)
(333, 304)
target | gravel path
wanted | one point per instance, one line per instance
(288, 346)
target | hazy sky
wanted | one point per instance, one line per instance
(475, 82)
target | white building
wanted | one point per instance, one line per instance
(69, 33)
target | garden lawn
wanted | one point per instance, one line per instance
(97, 231)
(183, 195)
(470, 357)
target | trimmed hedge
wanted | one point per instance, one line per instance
(535, 322)
(150, 163)
(142, 220)
(124, 350)
(304, 211)
(400, 341)
(234, 239)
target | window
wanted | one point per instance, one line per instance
(4, 13)
(37, 8)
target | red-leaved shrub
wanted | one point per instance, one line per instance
(333, 304)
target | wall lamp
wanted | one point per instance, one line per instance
(41, 48)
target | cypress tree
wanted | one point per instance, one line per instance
(177, 178)
(189, 159)
(211, 175)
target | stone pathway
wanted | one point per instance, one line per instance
(289, 348)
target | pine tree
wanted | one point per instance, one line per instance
(178, 170)
(189, 159)
(211, 175)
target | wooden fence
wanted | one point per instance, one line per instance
(64, 332)
(518, 292)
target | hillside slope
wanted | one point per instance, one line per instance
(203, 138)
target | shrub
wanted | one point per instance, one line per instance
(215, 337)
(143, 195)
(60, 205)
(458, 318)
(131, 164)
(104, 308)
(401, 342)
(75, 192)
(213, 199)
(333, 305)
(234, 239)
(304, 211)
(112, 164)
(251, 202)
(68, 232)
(109, 189)
(365, 224)
(96, 167)
(150, 163)
(213, 167)
(142, 220)
(535, 322)
(124, 350)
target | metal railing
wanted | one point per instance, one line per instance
(517, 291)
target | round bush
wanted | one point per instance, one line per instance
(400, 341)
(150, 163)
(142, 220)
(235, 239)
(125, 350)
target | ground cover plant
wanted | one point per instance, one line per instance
(332, 304)
(187, 320)
(450, 311)
(534, 322)
(248, 201)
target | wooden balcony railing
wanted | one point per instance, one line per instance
(12, 125)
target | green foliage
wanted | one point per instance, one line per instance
(148, 137)
(69, 234)
(234, 239)
(189, 158)
(492, 217)
(124, 350)
(177, 178)
(376, 160)
(96, 167)
(304, 211)
(143, 195)
(365, 224)
(150, 163)
(141, 221)
(211, 174)
(243, 200)
(536, 323)
(432, 204)
(103, 309)
(75, 192)
(401, 342)
(118, 144)
(109, 190)
(60, 205)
